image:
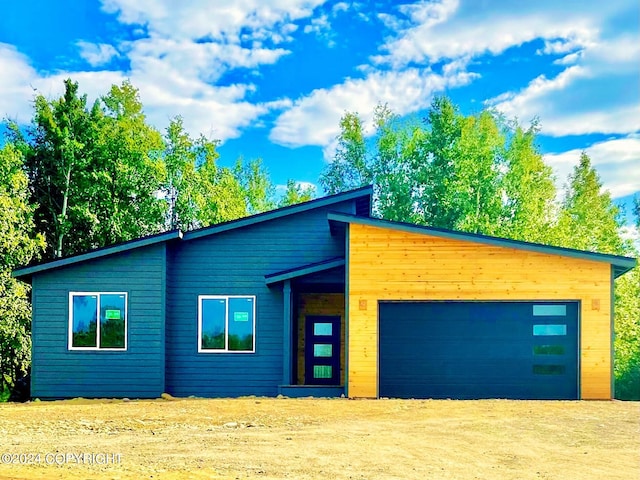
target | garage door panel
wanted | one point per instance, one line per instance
(469, 392)
(478, 349)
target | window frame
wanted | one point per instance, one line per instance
(97, 348)
(226, 324)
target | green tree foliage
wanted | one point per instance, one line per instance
(126, 170)
(93, 172)
(627, 336)
(256, 186)
(181, 157)
(475, 195)
(199, 192)
(58, 163)
(529, 209)
(396, 165)
(18, 246)
(627, 328)
(219, 194)
(349, 168)
(474, 173)
(295, 193)
(589, 220)
(438, 204)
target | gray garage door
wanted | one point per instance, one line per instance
(525, 350)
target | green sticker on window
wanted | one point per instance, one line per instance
(240, 316)
(112, 314)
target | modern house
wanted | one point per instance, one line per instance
(322, 299)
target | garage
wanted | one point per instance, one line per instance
(468, 349)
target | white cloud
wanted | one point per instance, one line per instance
(428, 14)
(448, 30)
(220, 112)
(215, 19)
(629, 232)
(620, 53)
(564, 45)
(569, 59)
(307, 185)
(184, 49)
(93, 84)
(616, 161)
(340, 7)
(187, 46)
(203, 61)
(20, 82)
(392, 22)
(601, 62)
(318, 25)
(96, 54)
(321, 27)
(587, 97)
(15, 84)
(314, 119)
(217, 112)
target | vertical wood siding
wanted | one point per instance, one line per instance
(386, 264)
(137, 372)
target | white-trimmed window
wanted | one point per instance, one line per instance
(226, 323)
(97, 321)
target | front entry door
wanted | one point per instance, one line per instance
(322, 350)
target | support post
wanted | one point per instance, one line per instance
(286, 332)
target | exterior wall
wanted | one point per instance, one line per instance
(319, 304)
(57, 372)
(387, 264)
(235, 263)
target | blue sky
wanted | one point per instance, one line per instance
(271, 78)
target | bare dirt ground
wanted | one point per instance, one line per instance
(314, 438)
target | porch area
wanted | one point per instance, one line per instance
(314, 329)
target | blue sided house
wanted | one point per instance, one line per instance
(322, 299)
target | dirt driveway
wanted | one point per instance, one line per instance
(311, 438)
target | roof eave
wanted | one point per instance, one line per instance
(621, 264)
(304, 270)
(280, 212)
(26, 273)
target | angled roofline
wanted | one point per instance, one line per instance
(25, 273)
(620, 264)
(279, 213)
(304, 270)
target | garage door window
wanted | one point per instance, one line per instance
(549, 369)
(548, 349)
(549, 310)
(549, 330)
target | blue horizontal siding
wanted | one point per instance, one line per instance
(163, 281)
(137, 372)
(235, 263)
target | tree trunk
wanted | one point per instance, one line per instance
(63, 214)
